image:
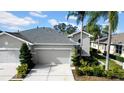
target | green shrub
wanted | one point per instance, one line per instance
(22, 70)
(78, 71)
(91, 61)
(98, 51)
(115, 73)
(98, 71)
(121, 74)
(25, 56)
(83, 63)
(87, 70)
(109, 74)
(93, 52)
(120, 58)
(75, 57)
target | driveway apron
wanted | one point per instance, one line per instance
(7, 71)
(47, 72)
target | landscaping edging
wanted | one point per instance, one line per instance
(91, 78)
(14, 78)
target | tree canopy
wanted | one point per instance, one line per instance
(66, 29)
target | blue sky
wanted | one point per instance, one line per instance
(22, 20)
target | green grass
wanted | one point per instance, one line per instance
(111, 62)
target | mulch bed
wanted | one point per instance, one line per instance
(91, 78)
(14, 78)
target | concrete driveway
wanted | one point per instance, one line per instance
(7, 71)
(59, 72)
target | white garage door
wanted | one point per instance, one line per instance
(9, 56)
(53, 56)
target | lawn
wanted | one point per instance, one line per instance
(111, 62)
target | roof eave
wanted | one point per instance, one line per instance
(54, 44)
(16, 38)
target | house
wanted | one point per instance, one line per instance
(75, 37)
(117, 44)
(47, 45)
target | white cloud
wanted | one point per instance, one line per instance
(53, 22)
(38, 14)
(71, 17)
(118, 31)
(11, 28)
(12, 21)
(120, 12)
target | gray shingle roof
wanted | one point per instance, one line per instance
(43, 35)
(18, 35)
(116, 39)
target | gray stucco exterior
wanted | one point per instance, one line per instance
(85, 44)
(9, 42)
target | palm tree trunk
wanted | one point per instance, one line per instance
(108, 48)
(81, 40)
(98, 44)
(81, 36)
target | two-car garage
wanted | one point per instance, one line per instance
(49, 56)
(9, 56)
(41, 56)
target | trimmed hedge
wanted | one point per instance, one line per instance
(120, 58)
(116, 57)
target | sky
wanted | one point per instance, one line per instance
(22, 20)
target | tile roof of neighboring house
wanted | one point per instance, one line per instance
(43, 35)
(116, 39)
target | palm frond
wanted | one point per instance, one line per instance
(113, 20)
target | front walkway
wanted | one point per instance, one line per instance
(60, 72)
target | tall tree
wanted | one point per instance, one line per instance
(113, 23)
(95, 30)
(112, 16)
(105, 31)
(66, 29)
(80, 16)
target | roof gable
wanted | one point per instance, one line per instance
(84, 32)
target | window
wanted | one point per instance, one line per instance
(79, 40)
(118, 49)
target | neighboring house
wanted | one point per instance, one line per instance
(47, 46)
(117, 44)
(75, 37)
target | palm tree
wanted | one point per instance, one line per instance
(113, 23)
(112, 16)
(95, 30)
(105, 31)
(80, 15)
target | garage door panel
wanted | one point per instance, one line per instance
(9, 56)
(53, 56)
